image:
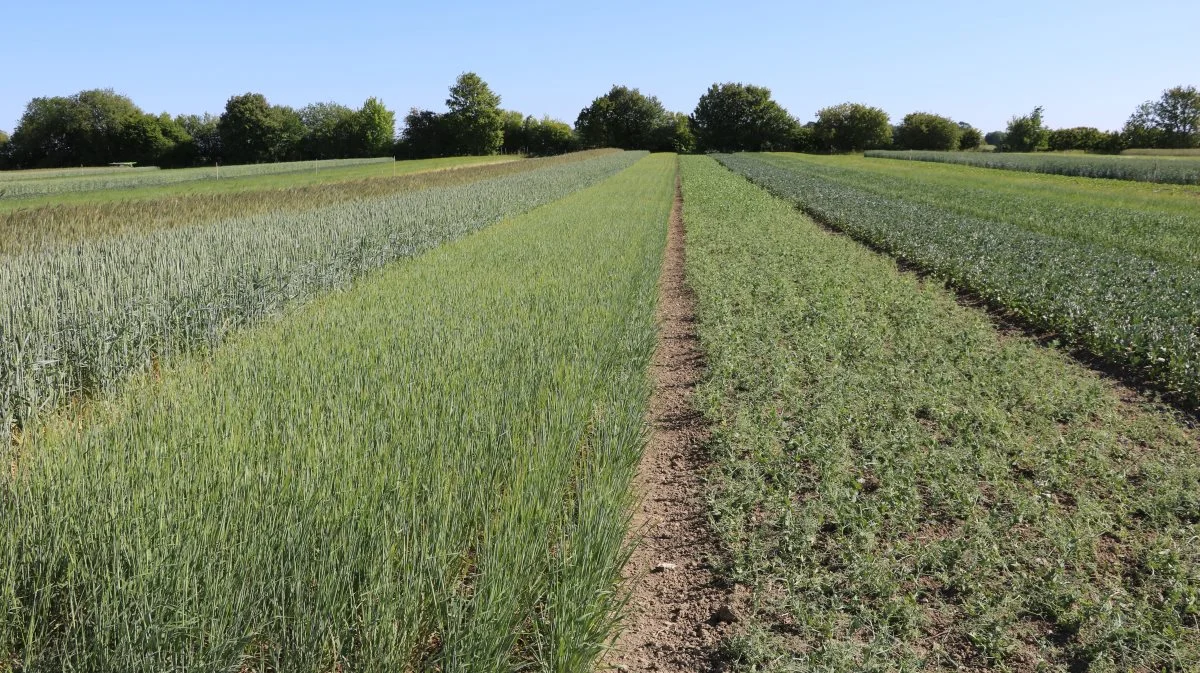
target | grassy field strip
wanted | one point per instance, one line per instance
(1133, 312)
(37, 186)
(1173, 170)
(906, 489)
(1128, 216)
(250, 182)
(77, 319)
(429, 471)
(30, 229)
(50, 173)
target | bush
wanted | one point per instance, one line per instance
(852, 127)
(925, 131)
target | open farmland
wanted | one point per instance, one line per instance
(1174, 170)
(1134, 311)
(13, 187)
(204, 181)
(904, 488)
(47, 225)
(82, 316)
(428, 471)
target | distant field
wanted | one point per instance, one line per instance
(1123, 302)
(50, 173)
(1193, 152)
(139, 185)
(91, 215)
(1138, 168)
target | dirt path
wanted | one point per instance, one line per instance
(677, 612)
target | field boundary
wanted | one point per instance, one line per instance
(678, 609)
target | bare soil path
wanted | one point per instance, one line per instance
(678, 611)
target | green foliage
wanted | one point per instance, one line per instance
(328, 128)
(1086, 138)
(1026, 133)
(1128, 310)
(425, 134)
(995, 138)
(474, 119)
(81, 129)
(204, 130)
(624, 118)
(429, 471)
(1173, 121)
(971, 137)
(1141, 169)
(901, 487)
(852, 127)
(89, 313)
(925, 131)
(516, 139)
(735, 117)
(546, 137)
(252, 131)
(374, 130)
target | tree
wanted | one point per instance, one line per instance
(1027, 133)
(734, 117)
(154, 140)
(373, 130)
(971, 137)
(206, 137)
(474, 120)
(547, 136)
(246, 129)
(1173, 121)
(5, 150)
(252, 131)
(327, 130)
(623, 118)
(927, 131)
(675, 134)
(426, 134)
(516, 125)
(995, 138)
(1086, 138)
(83, 129)
(852, 127)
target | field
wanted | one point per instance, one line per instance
(392, 417)
(1098, 281)
(1171, 170)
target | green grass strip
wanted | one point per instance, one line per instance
(904, 488)
(1171, 170)
(427, 472)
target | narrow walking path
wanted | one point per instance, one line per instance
(678, 611)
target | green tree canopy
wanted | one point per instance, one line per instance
(327, 130)
(206, 137)
(1026, 133)
(83, 129)
(734, 117)
(995, 138)
(546, 136)
(253, 131)
(1085, 138)
(474, 119)
(426, 134)
(971, 137)
(624, 118)
(927, 131)
(1172, 121)
(852, 127)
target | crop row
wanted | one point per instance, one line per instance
(78, 318)
(15, 188)
(1142, 169)
(1135, 312)
(51, 173)
(429, 471)
(905, 489)
(28, 229)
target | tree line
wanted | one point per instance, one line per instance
(100, 126)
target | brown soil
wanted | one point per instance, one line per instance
(677, 616)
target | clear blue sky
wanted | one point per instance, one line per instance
(1089, 63)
